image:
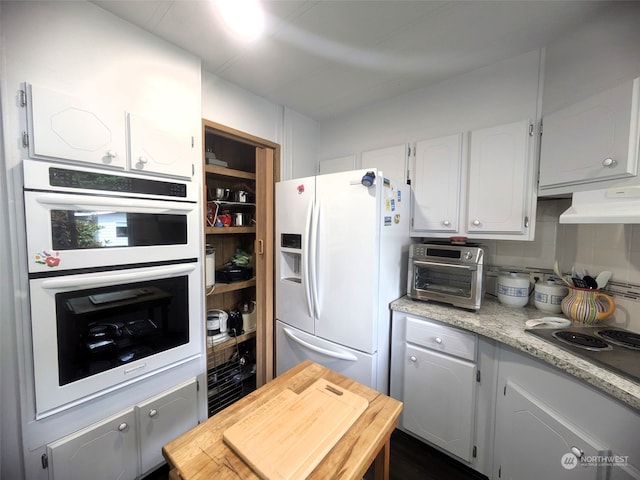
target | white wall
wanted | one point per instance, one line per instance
(502, 93)
(79, 49)
(297, 135)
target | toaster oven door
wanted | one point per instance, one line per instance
(445, 281)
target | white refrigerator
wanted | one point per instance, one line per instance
(341, 258)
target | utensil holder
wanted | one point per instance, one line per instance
(587, 305)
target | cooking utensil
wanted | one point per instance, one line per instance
(555, 322)
(579, 282)
(602, 278)
(556, 270)
(590, 281)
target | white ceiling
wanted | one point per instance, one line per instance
(326, 58)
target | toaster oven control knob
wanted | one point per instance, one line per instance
(123, 426)
(476, 223)
(438, 340)
(413, 358)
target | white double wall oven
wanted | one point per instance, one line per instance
(113, 262)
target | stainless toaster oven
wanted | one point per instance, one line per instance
(447, 273)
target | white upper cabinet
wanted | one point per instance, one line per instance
(70, 128)
(391, 160)
(437, 172)
(62, 126)
(498, 180)
(156, 149)
(485, 190)
(591, 141)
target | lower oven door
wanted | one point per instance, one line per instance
(451, 283)
(95, 332)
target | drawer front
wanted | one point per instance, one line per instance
(441, 338)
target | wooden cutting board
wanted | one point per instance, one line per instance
(288, 436)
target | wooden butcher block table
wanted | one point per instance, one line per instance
(310, 422)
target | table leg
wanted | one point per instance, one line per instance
(381, 463)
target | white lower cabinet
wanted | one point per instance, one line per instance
(129, 444)
(436, 373)
(439, 393)
(547, 419)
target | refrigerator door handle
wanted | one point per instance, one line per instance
(323, 351)
(313, 258)
(306, 255)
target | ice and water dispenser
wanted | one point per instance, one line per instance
(291, 257)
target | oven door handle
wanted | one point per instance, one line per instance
(109, 278)
(471, 268)
(125, 205)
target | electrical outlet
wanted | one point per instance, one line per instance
(536, 275)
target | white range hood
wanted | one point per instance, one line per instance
(613, 205)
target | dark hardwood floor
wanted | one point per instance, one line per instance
(411, 459)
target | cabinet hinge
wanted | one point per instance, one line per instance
(197, 385)
(25, 139)
(45, 461)
(504, 391)
(541, 125)
(23, 98)
(193, 169)
(193, 141)
(531, 129)
(500, 471)
(475, 452)
(478, 376)
(526, 221)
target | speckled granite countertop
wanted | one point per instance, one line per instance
(506, 325)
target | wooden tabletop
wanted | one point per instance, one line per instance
(201, 453)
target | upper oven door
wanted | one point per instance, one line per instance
(67, 231)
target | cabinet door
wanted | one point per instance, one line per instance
(157, 149)
(392, 161)
(104, 451)
(69, 128)
(533, 442)
(439, 395)
(498, 180)
(165, 418)
(437, 185)
(593, 140)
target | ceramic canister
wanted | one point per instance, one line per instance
(549, 295)
(513, 289)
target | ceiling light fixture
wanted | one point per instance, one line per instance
(244, 17)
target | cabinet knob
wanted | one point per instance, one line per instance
(153, 412)
(476, 223)
(609, 162)
(438, 340)
(143, 160)
(111, 154)
(123, 426)
(413, 358)
(446, 223)
(578, 452)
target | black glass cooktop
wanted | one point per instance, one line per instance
(613, 348)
